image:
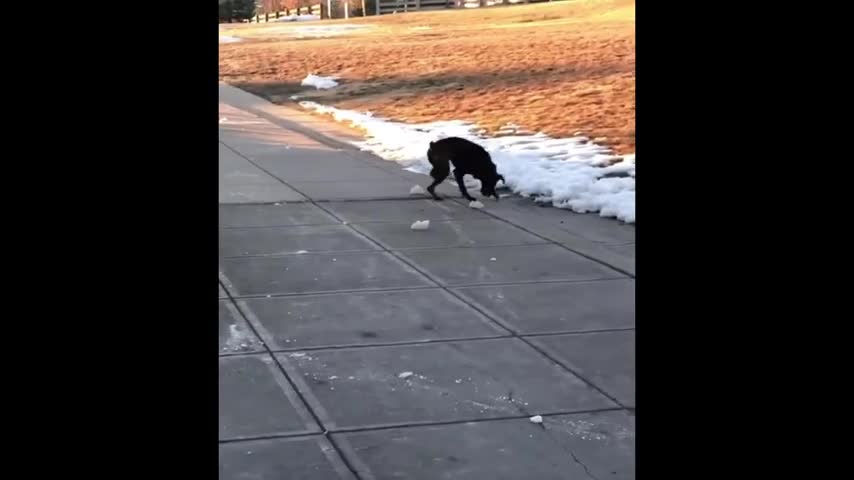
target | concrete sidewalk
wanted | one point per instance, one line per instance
(354, 347)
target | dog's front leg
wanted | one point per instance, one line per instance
(439, 176)
(462, 184)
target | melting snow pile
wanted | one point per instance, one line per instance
(476, 204)
(417, 190)
(566, 172)
(319, 82)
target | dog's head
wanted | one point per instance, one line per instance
(487, 185)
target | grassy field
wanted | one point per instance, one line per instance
(559, 68)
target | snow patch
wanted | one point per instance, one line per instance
(325, 31)
(319, 82)
(298, 18)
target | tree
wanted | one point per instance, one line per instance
(236, 10)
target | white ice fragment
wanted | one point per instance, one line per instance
(536, 419)
(404, 374)
(475, 204)
(421, 225)
(417, 190)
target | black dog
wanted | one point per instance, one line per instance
(468, 158)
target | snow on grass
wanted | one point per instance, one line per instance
(298, 18)
(566, 172)
(326, 31)
(229, 39)
(319, 82)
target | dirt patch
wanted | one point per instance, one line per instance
(559, 68)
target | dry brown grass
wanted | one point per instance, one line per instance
(559, 68)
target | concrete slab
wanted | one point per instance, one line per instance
(382, 386)
(591, 227)
(357, 190)
(281, 215)
(352, 377)
(308, 458)
(306, 154)
(470, 233)
(292, 172)
(627, 251)
(584, 446)
(291, 240)
(242, 182)
(264, 139)
(306, 164)
(250, 134)
(546, 222)
(256, 400)
(401, 211)
(235, 336)
(364, 318)
(606, 359)
(529, 263)
(558, 307)
(243, 194)
(317, 273)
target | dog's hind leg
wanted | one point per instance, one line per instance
(462, 184)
